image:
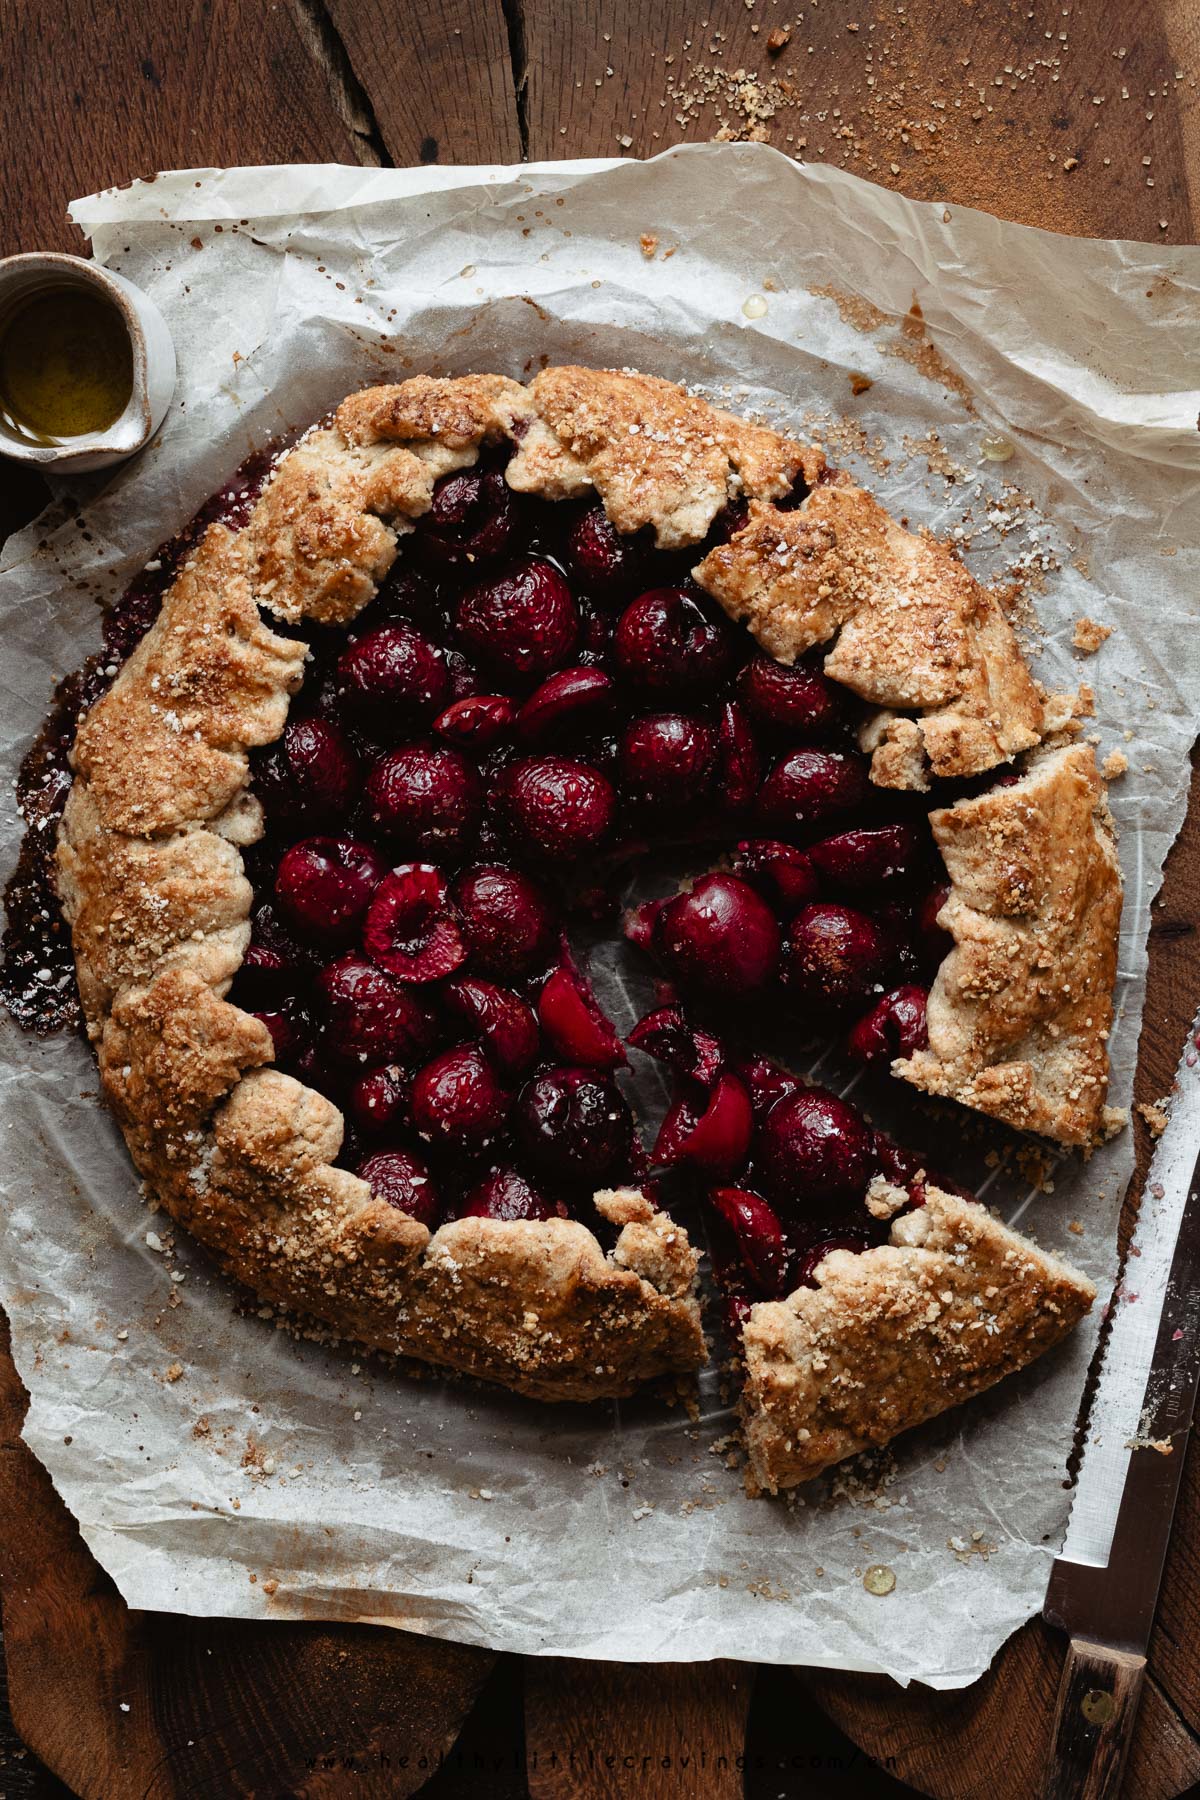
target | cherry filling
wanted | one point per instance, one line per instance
(530, 700)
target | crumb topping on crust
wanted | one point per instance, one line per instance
(911, 630)
(1020, 1011)
(893, 1336)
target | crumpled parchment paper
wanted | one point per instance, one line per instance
(217, 1466)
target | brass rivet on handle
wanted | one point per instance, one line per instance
(1097, 1706)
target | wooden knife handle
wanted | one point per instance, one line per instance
(1093, 1722)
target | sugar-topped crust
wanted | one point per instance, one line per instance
(912, 630)
(153, 887)
(1021, 1009)
(893, 1336)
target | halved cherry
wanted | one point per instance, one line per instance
(897, 1026)
(780, 871)
(477, 723)
(759, 1235)
(574, 1026)
(571, 702)
(667, 1035)
(710, 1134)
(411, 929)
(502, 1021)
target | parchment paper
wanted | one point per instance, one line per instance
(216, 1466)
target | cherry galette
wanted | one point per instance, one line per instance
(474, 649)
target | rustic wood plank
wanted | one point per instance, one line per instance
(122, 1703)
(105, 93)
(618, 1731)
(439, 78)
(985, 105)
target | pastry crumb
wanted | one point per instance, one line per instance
(1115, 764)
(1155, 1113)
(1089, 634)
(649, 245)
(175, 1371)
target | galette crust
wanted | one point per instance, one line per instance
(912, 630)
(153, 887)
(1020, 1010)
(893, 1336)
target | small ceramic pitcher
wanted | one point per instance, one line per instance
(153, 364)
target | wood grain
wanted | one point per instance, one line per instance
(984, 104)
(108, 91)
(121, 1703)
(617, 1731)
(442, 88)
(1093, 1722)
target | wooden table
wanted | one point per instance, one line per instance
(1080, 119)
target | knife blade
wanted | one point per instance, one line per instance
(1104, 1594)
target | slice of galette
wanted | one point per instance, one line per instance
(407, 712)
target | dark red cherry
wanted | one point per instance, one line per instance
(766, 1083)
(560, 806)
(407, 594)
(783, 874)
(503, 1022)
(411, 929)
(574, 1125)
(794, 700)
(370, 1017)
(567, 704)
(458, 1102)
(573, 1025)
(934, 942)
(602, 561)
(505, 1194)
(739, 762)
(837, 956)
(720, 938)
(666, 643)
(813, 1255)
(813, 1147)
(291, 1029)
(508, 921)
(810, 785)
(669, 1037)
(472, 519)
(403, 1181)
(522, 622)
(896, 1026)
(867, 858)
(759, 1236)
(378, 1103)
(424, 798)
(310, 777)
(666, 760)
(323, 886)
(710, 1133)
(478, 722)
(390, 680)
(275, 961)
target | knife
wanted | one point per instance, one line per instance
(1104, 1597)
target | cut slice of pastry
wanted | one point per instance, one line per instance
(892, 1336)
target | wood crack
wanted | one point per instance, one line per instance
(324, 44)
(514, 19)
